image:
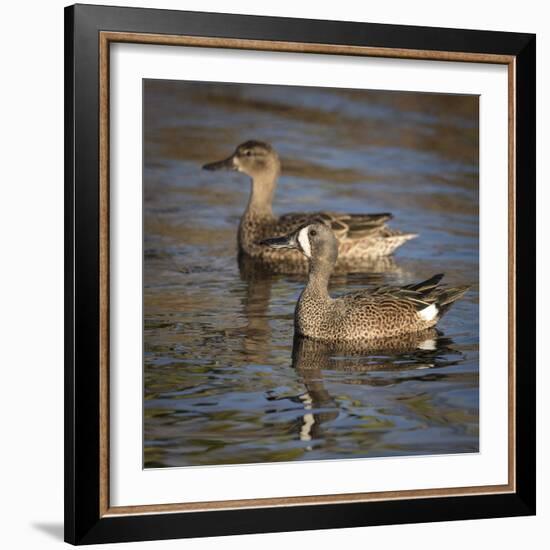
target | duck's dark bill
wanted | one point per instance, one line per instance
(226, 164)
(281, 242)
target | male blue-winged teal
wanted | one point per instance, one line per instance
(380, 312)
(360, 236)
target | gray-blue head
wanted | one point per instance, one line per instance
(316, 241)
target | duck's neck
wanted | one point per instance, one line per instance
(261, 195)
(319, 275)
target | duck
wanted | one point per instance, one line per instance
(375, 313)
(360, 236)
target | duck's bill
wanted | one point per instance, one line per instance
(226, 164)
(288, 241)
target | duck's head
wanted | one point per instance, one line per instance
(315, 241)
(254, 158)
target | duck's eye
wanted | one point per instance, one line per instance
(312, 233)
(248, 153)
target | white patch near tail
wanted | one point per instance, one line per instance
(429, 313)
(303, 239)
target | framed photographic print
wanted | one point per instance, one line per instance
(299, 274)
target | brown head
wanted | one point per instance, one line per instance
(261, 162)
(255, 158)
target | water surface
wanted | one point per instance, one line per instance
(224, 380)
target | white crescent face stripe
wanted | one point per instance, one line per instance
(303, 239)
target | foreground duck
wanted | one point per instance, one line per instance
(359, 235)
(381, 312)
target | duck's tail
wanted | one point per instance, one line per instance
(448, 296)
(439, 296)
(393, 242)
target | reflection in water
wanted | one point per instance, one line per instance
(257, 332)
(372, 266)
(223, 383)
(425, 350)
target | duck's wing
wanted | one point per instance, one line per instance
(350, 226)
(404, 296)
(418, 295)
(427, 285)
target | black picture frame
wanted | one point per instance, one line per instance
(84, 523)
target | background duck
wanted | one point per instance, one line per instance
(360, 236)
(381, 312)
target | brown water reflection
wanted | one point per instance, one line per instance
(224, 381)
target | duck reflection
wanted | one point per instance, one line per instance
(257, 332)
(310, 358)
(372, 266)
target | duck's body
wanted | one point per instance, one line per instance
(360, 236)
(382, 312)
